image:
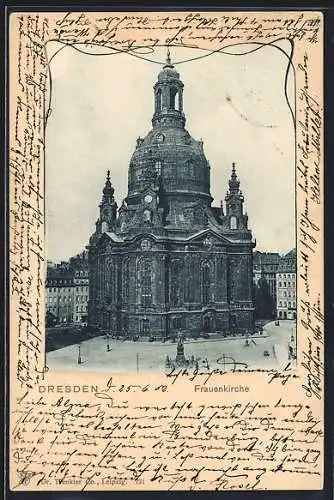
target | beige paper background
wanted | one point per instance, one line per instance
(38, 463)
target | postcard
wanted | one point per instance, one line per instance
(166, 251)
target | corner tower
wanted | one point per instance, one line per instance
(108, 208)
(235, 217)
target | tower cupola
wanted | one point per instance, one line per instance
(108, 206)
(168, 97)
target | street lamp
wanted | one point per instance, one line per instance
(108, 346)
(79, 354)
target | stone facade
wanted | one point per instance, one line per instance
(286, 282)
(67, 287)
(168, 261)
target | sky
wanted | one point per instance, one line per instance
(102, 101)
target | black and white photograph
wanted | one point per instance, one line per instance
(170, 208)
(166, 253)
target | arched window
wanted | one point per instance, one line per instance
(109, 283)
(145, 281)
(175, 283)
(233, 222)
(126, 280)
(192, 272)
(206, 282)
(158, 166)
(173, 102)
(159, 100)
(190, 170)
(147, 216)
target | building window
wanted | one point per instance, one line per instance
(206, 282)
(160, 137)
(145, 244)
(146, 282)
(233, 222)
(125, 281)
(175, 285)
(147, 216)
(159, 100)
(192, 271)
(173, 102)
(158, 166)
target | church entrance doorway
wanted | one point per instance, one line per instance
(233, 323)
(145, 326)
(209, 323)
(177, 323)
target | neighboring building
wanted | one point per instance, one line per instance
(79, 265)
(286, 286)
(168, 261)
(67, 289)
(265, 265)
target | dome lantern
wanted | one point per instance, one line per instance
(168, 97)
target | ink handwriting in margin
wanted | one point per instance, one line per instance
(226, 445)
(27, 199)
(192, 29)
(309, 183)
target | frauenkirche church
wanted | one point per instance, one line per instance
(167, 261)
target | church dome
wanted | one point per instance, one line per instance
(175, 157)
(168, 155)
